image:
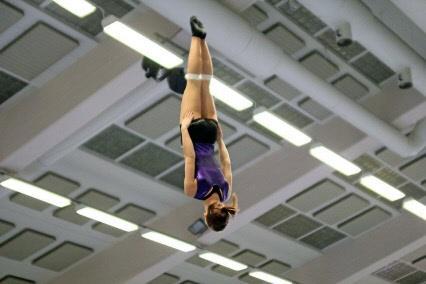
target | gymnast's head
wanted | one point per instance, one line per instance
(217, 215)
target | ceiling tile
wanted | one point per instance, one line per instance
(248, 279)
(49, 181)
(415, 169)
(9, 15)
(24, 244)
(174, 144)
(113, 142)
(223, 247)
(57, 183)
(315, 109)
(373, 68)
(281, 87)
(254, 15)
(302, 16)
(273, 2)
(35, 50)
(319, 65)
(394, 271)
(297, 226)
(28, 201)
(390, 177)
(62, 256)
(316, 195)
(9, 279)
(136, 214)
(241, 116)
(151, 159)
(108, 230)
(225, 73)
(118, 8)
(342, 209)
(418, 277)
(158, 119)
(189, 282)
(350, 87)
(244, 150)
(225, 271)
(259, 95)
(328, 38)
(284, 38)
(364, 221)
(5, 227)
(175, 177)
(9, 86)
(367, 163)
(165, 278)
(249, 257)
(323, 238)
(390, 157)
(97, 199)
(90, 24)
(413, 190)
(68, 214)
(276, 214)
(275, 267)
(195, 260)
(265, 132)
(293, 116)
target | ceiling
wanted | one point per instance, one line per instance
(79, 118)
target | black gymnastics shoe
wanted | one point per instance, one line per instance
(197, 28)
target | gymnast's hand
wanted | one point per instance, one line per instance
(187, 118)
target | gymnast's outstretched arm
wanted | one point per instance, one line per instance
(189, 183)
(225, 160)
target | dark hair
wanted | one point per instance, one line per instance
(218, 219)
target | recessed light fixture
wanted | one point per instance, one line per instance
(223, 261)
(415, 207)
(382, 188)
(36, 192)
(268, 277)
(168, 241)
(281, 128)
(334, 160)
(140, 43)
(80, 8)
(107, 218)
(229, 96)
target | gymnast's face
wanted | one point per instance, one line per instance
(215, 207)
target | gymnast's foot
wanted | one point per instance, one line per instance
(197, 28)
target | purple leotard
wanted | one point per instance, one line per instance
(209, 177)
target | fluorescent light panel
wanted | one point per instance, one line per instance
(223, 261)
(382, 188)
(228, 95)
(107, 219)
(142, 44)
(334, 160)
(36, 192)
(282, 128)
(415, 207)
(168, 241)
(80, 8)
(268, 277)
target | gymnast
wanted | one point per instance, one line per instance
(200, 129)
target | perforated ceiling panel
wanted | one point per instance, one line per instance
(254, 15)
(284, 38)
(62, 256)
(319, 65)
(373, 68)
(9, 15)
(158, 119)
(282, 88)
(36, 50)
(9, 86)
(349, 86)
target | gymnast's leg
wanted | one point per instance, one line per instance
(191, 99)
(208, 108)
